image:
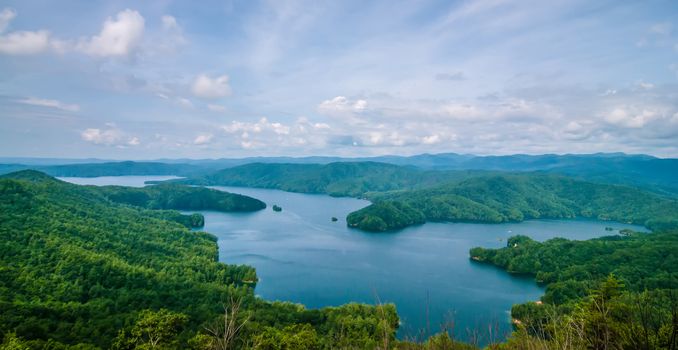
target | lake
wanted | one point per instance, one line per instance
(302, 256)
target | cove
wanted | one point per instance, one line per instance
(302, 256)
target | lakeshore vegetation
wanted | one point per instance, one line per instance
(85, 267)
(404, 196)
(80, 271)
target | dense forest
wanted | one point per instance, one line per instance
(79, 271)
(335, 179)
(647, 172)
(180, 197)
(404, 196)
(516, 197)
(617, 292)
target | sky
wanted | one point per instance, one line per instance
(224, 79)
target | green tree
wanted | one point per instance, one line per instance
(152, 330)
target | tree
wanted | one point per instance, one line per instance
(223, 332)
(11, 342)
(153, 330)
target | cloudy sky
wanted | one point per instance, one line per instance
(151, 79)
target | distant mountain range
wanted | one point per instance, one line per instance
(657, 174)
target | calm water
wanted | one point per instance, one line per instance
(302, 256)
(132, 181)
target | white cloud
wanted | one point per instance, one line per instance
(342, 104)
(6, 16)
(431, 139)
(630, 118)
(112, 136)
(50, 103)
(169, 39)
(262, 125)
(264, 133)
(24, 43)
(206, 87)
(169, 22)
(216, 108)
(118, 37)
(645, 86)
(386, 138)
(21, 42)
(184, 102)
(203, 139)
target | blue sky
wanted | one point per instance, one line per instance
(199, 79)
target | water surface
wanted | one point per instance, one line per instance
(131, 181)
(302, 256)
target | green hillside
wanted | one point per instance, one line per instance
(617, 292)
(647, 172)
(516, 197)
(335, 179)
(80, 271)
(180, 197)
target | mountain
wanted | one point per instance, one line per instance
(655, 174)
(405, 195)
(516, 197)
(68, 254)
(336, 179)
(79, 271)
(166, 196)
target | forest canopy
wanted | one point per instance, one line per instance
(513, 198)
(78, 270)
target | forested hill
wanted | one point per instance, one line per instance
(78, 271)
(180, 197)
(336, 179)
(516, 197)
(617, 292)
(406, 196)
(651, 173)
(166, 196)
(76, 268)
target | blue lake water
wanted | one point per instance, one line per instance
(131, 181)
(302, 256)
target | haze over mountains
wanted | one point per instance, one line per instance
(637, 170)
